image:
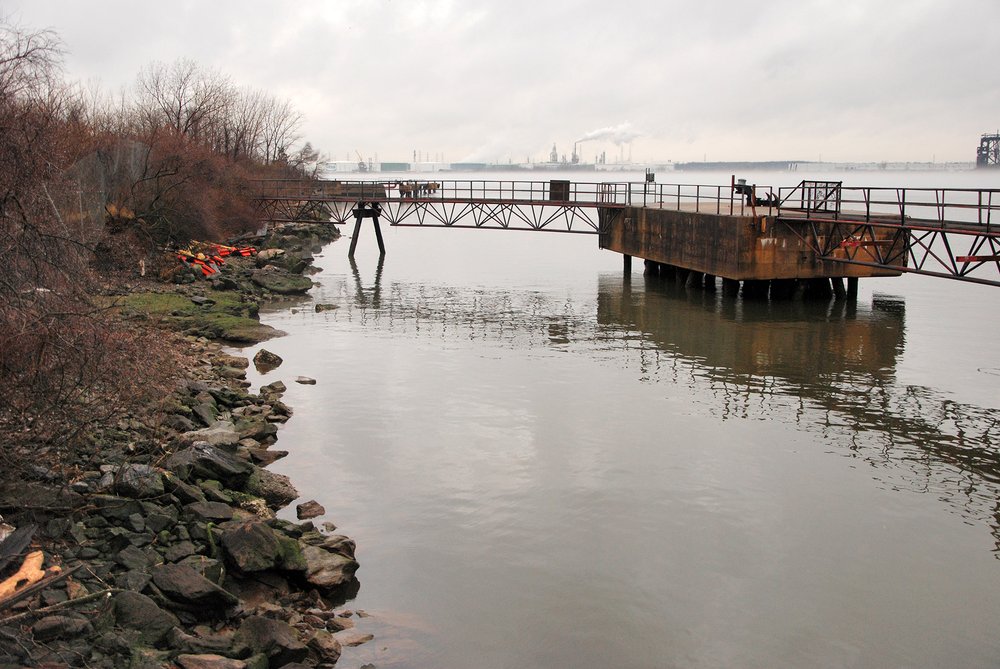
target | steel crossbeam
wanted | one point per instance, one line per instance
(538, 216)
(961, 253)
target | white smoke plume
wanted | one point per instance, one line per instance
(623, 133)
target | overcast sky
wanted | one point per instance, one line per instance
(837, 80)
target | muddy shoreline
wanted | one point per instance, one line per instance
(161, 547)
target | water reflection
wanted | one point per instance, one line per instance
(368, 297)
(827, 367)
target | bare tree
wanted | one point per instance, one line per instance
(280, 131)
(181, 96)
(63, 363)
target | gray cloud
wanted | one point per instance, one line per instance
(848, 80)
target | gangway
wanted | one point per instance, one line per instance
(942, 232)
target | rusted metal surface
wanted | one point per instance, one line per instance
(740, 248)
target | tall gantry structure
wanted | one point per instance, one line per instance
(988, 153)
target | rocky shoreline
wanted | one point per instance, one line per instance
(161, 546)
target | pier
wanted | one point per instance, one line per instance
(767, 239)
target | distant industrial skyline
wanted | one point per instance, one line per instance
(485, 81)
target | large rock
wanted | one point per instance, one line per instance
(257, 429)
(327, 570)
(190, 590)
(139, 612)
(60, 627)
(208, 462)
(221, 433)
(310, 509)
(281, 282)
(226, 360)
(276, 489)
(210, 568)
(254, 546)
(352, 637)
(339, 544)
(185, 492)
(326, 647)
(209, 511)
(273, 638)
(273, 389)
(138, 481)
(265, 361)
(207, 661)
(267, 255)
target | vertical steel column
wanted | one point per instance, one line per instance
(357, 230)
(367, 210)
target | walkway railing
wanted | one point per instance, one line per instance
(581, 194)
(917, 208)
(824, 200)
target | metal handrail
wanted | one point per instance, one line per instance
(937, 207)
(940, 207)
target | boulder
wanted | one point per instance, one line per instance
(209, 662)
(226, 360)
(254, 546)
(325, 307)
(281, 282)
(204, 643)
(326, 647)
(206, 413)
(275, 489)
(204, 461)
(138, 612)
(185, 492)
(327, 570)
(221, 433)
(267, 255)
(352, 637)
(265, 361)
(310, 509)
(179, 551)
(305, 380)
(273, 638)
(339, 544)
(132, 557)
(213, 511)
(275, 388)
(138, 481)
(60, 627)
(190, 590)
(257, 429)
(180, 423)
(210, 568)
(264, 456)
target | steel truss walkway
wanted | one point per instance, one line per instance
(950, 233)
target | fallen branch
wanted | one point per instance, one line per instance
(10, 620)
(37, 586)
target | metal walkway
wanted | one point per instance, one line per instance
(942, 232)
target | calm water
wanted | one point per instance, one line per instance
(547, 464)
